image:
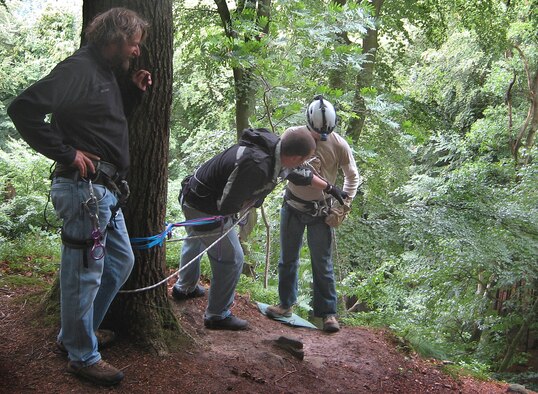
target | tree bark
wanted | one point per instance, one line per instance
(365, 78)
(245, 91)
(244, 82)
(527, 131)
(147, 315)
(510, 351)
(337, 77)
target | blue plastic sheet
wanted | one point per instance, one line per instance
(293, 320)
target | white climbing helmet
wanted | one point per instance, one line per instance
(321, 117)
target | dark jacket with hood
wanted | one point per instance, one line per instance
(246, 172)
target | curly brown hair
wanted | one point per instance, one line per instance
(116, 25)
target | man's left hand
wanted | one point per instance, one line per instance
(142, 79)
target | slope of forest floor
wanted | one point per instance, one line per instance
(354, 360)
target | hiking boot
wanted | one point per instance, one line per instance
(230, 323)
(198, 291)
(101, 372)
(276, 311)
(104, 339)
(330, 324)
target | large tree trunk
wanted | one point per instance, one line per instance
(146, 315)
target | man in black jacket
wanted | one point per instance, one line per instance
(88, 138)
(238, 178)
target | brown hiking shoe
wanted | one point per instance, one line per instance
(276, 311)
(104, 339)
(101, 372)
(229, 323)
(330, 324)
(199, 291)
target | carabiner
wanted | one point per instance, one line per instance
(98, 249)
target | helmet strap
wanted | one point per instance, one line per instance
(322, 107)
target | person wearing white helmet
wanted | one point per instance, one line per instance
(321, 117)
(317, 211)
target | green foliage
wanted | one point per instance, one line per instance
(15, 281)
(527, 379)
(254, 288)
(30, 45)
(488, 19)
(33, 256)
(459, 220)
(476, 370)
(450, 80)
(304, 58)
(24, 182)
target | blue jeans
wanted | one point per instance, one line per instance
(319, 238)
(87, 292)
(226, 259)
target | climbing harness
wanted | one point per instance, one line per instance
(312, 208)
(106, 174)
(95, 242)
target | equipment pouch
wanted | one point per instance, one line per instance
(338, 213)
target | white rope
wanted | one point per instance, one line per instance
(190, 262)
(191, 237)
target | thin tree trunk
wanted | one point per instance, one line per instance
(527, 130)
(365, 78)
(245, 91)
(337, 77)
(267, 249)
(518, 337)
(244, 82)
(529, 142)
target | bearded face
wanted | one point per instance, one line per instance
(121, 54)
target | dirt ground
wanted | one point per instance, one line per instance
(354, 360)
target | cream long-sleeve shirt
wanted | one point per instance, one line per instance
(329, 156)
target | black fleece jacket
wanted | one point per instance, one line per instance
(83, 95)
(245, 172)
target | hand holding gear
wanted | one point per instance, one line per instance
(336, 192)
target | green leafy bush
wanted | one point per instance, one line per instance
(24, 180)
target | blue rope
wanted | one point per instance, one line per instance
(149, 242)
